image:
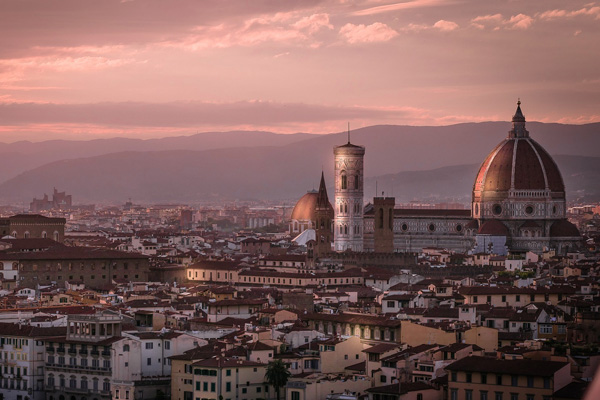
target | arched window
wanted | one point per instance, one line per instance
(26, 235)
(84, 383)
(346, 208)
(55, 236)
(344, 180)
(14, 234)
(72, 381)
(44, 235)
(346, 229)
(341, 229)
(126, 347)
(341, 208)
(356, 181)
(51, 380)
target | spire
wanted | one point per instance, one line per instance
(348, 132)
(322, 199)
(518, 124)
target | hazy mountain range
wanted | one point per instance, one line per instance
(410, 162)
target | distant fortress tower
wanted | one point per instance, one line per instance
(349, 176)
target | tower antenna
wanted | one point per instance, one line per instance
(348, 132)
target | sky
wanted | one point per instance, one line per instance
(85, 69)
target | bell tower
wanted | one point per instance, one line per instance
(348, 207)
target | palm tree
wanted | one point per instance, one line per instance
(277, 375)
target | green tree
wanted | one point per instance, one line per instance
(277, 375)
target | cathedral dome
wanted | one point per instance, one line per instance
(305, 207)
(518, 163)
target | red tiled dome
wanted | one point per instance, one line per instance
(519, 163)
(493, 227)
(563, 228)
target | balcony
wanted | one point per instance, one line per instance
(72, 351)
(49, 349)
(60, 350)
(106, 353)
(95, 352)
(83, 352)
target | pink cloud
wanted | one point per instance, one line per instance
(313, 23)
(376, 32)
(495, 21)
(445, 26)
(520, 21)
(555, 14)
(399, 6)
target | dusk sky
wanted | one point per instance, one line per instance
(81, 69)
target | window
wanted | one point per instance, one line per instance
(469, 377)
(344, 180)
(148, 361)
(453, 394)
(213, 387)
(453, 377)
(498, 379)
(530, 396)
(149, 346)
(468, 394)
(228, 372)
(205, 386)
(514, 396)
(498, 396)
(167, 345)
(483, 378)
(483, 395)
(474, 299)
(530, 381)
(356, 181)
(295, 395)
(546, 329)
(518, 298)
(126, 347)
(547, 383)
(228, 386)
(106, 385)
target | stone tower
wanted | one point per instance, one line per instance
(323, 221)
(349, 167)
(383, 224)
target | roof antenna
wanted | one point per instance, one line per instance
(348, 132)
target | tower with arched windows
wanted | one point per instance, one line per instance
(349, 176)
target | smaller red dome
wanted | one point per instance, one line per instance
(493, 227)
(564, 228)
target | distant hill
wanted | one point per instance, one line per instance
(259, 173)
(390, 148)
(19, 157)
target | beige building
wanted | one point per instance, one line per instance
(492, 379)
(337, 353)
(219, 377)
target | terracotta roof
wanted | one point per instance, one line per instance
(402, 388)
(564, 228)
(493, 227)
(518, 367)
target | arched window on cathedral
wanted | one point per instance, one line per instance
(346, 229)
(341, 208)
(346, 208)
(381, 218)
(341, 229)
(356, 181)
(344, 180)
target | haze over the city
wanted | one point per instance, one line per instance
(85, 69)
